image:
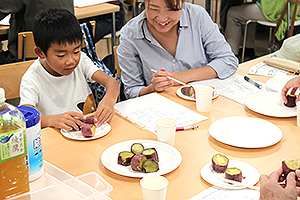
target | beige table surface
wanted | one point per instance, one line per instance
(196, 147)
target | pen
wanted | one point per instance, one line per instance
(252, 82)
(182, 128)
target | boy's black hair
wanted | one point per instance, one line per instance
(55, 25)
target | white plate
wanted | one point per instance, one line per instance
(276, 84)
(179, 93)
(270, 104)
(251, 175)
(169, 158)
(246, 132)
(76, 135)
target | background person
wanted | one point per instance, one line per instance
(22, 15)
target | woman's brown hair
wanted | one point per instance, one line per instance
(173, 4)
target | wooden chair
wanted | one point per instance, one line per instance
(118, 75)
(26, 45)
(10, 78)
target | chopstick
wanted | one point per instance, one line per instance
(239, 184)
(178, 81)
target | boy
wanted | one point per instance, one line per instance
(56, 83)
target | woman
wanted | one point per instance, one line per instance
(176, 39)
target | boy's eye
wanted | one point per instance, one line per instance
(76, 52)
(60, 56)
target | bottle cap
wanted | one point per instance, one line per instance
(32, 115)
(2, 95)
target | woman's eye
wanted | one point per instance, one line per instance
(153, 9)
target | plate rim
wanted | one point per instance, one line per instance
(107, 125)
(248, 100)
(179, 93)
(268, 82)
(207, 165)
(243, 146)
(139, 175)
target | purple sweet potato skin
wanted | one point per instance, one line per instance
(135, 162)
(90, 120)
(286, 170)
(234, 177)
(219, 168)
(120, 161)
(154, 156)
(86, 130)
(291, 101)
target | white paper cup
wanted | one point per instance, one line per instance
(165, 130)
(203, 98)
(298, 113)
(154, 187)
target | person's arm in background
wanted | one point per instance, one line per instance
(293, 83)
(270, 189)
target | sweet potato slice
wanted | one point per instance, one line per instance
(137, 162)
(151, 153)
(150, 165)
(188, 91)
(289, 166)
(88, 130)
(291, 100)
(219, 163)
(137, 148)
(234, 174)
(125, 157)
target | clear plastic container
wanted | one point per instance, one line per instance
(57, 184)
(14, 177)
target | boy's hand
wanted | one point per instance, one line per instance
(104, 112)
(68, 120)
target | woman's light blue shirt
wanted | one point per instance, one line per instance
(199, 44)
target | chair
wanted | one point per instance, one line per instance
(267, 23)
(10, 79)
(26, 45)
(118, 75)
(131, 3)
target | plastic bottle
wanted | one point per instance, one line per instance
(14, 174)
(34, 141)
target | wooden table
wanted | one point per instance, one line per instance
(196, 146)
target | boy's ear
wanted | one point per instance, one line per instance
(38, 51)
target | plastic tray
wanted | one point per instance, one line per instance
(57, 184)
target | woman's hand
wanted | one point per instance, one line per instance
(160, 80)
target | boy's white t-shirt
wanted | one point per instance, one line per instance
(56, 95)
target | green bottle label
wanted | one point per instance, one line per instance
(13, 144)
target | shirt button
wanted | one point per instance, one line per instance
(174, 61)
